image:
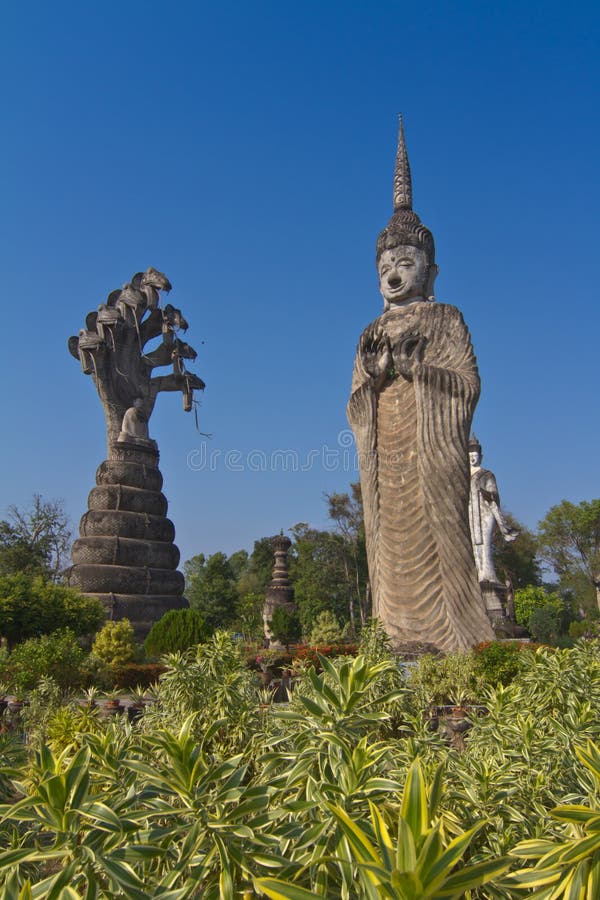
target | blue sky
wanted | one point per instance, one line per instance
(246, 150)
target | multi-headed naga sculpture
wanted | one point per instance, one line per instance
(125, 553)
(414, 390)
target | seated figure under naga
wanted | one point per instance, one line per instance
(112, 350)
(415, 386)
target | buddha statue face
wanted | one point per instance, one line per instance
(403, 273)
(474, 458)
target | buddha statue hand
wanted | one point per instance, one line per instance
(408, 352)
(375, 352)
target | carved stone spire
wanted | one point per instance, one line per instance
(279, 590)
(405, 226)
(402, 179)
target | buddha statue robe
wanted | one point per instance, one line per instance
(412, 436)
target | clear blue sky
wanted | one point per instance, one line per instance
(246, 149)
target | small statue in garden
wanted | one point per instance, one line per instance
(485, 514)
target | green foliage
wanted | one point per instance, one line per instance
(544, 624)
(176, 630)
(584, 628)
(499, 662)
(516, 560)
(570, 867)
(454, 678)
(532, 598)
(213, 683)
(318, 574)
(314, 802)
(211, 589)
(326, 630)
(569, 540)
(249, 615)
(35, 541)
(57, 655)
(114, 644)
(30, 606)
(285, 625)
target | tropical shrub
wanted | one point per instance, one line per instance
(499, 662)
(532, 598)
(57, 655)
(544, 624)
(326, 630)
(211, 683)
(176, 630)
(31, 605)
(114, 644)
(285, 626)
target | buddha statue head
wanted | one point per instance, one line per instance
(475, 454)
(405, 253)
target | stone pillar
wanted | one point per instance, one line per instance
(280, 592)
(125, 555)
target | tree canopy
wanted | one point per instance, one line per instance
(569, 540)
(36, 540)
(31, 606)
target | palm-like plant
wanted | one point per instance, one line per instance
(416, 866)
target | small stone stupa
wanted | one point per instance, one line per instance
(279, 592)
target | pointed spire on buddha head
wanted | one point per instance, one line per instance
(405, 227)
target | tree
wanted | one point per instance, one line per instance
(175, 631)
(35, 540)
(326, 630)
(211, 588)
(346, 510)
(31, 606)
(285, 625)
(249, 615)
(569, 540)
(516, 560)
(531, 599)
(114, 644)
(254, 578)
(318, 574)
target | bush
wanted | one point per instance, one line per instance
(583, 628)
(56, 655)
(31, 606)
(544, 624)
(528, 599)
(176, 630)
(137, 675)
(285, 625)
(326, 630)
(499, 663)
(114, 645)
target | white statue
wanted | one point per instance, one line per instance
(135, 424)
(485, 514)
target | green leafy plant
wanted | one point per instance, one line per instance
(57, 655)
(416, 866)
(176, 630)
(530, 599)
(499, 663)
(114, 644)
(285, 626)
(325, 630)
(568, 868)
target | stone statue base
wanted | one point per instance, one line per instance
(125, 555)
(494, 596)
